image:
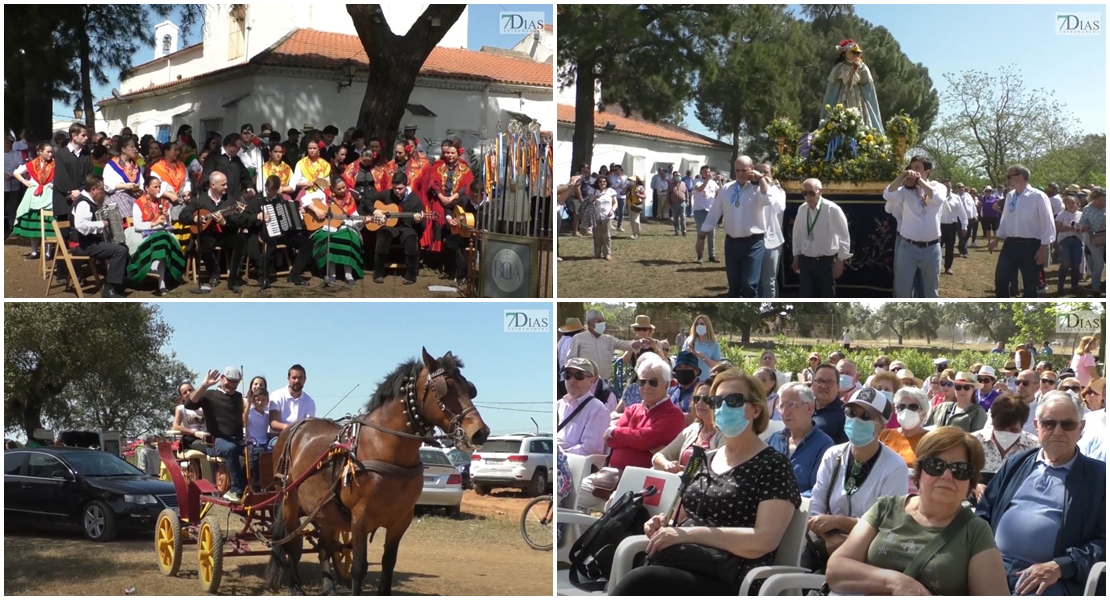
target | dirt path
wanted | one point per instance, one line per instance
(479, 554)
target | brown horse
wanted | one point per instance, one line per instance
(407, 406)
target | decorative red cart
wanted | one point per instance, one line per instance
(191, 522)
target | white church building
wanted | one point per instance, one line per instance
(291, 66)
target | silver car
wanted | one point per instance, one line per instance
(522, 461)
(442, 482)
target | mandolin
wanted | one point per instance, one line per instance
(393, 216)
(464, 221)
(203, 218)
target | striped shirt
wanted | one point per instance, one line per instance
(599, 349)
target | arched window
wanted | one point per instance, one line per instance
(166, 40)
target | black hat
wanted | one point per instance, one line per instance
(292, 132)
(331, 130)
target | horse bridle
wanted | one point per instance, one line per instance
(437, 383)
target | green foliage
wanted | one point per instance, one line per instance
(901, 126)
(1081, 162)
(783, 128)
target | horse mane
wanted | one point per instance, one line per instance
(390, 386)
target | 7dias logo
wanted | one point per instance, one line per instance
(1080, 321)
(520, 23)
(527, 321)
(1078, 24)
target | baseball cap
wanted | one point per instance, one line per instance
(233, 373)
(686, 358)
(585, 365)
(873, 398)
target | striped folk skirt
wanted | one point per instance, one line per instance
(27, 215)
(160, 245)
(346, 249)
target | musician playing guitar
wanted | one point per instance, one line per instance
(461, 214)
(297, 241)
(407, 231)
(336, 241)
(219, 221)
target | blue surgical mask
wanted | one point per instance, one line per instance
(860, 433)
(889, 396)
(731, 422)
(599, 328)
(846, 383)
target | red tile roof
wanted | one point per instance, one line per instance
(637, 126)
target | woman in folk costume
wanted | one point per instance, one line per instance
(342, 246)
(850, 83)
(404, 161)
(176, 188)
(311, 168)
(123, 178)
(276, 167)
(447, 180)
(150, 240)
(38, 176)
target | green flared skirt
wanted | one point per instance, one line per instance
(346, 249)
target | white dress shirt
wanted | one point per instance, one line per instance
(743, 219)
(772, 217)
(971, 206)
(660, 183)
(1057, 204)
(703, 200)
(83, 219)
(290, 409)
(952, 211)
(916, 222)
(830, 231)
(1027, 215)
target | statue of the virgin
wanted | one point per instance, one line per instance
(850, 84)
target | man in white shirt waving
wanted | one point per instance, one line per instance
(1028, 228)
(821, 243)
(705, 190)
(291, 403)
(741, 204)
(916, 203)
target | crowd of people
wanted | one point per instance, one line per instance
(183, 198)
(1013, 461)
(936, 221)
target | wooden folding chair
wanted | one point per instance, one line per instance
(42, 236)
(61, 231)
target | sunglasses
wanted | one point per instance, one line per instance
(1070, 388)
(913, 407)
(852, 413)
(1050, 425)
(1024, 383)
(1091, 392)
(946, 384)
(653, 382)
(736, 400)
(961, 471)
(964, 388)
(809, 194)
(986, 380)
(701, 398)
(1049, 381)
(575, 375)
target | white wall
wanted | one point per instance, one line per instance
(539, 51)
(616, 148)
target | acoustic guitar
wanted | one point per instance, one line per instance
(464, 221)
(334, 217)
(393, 215)
(203, 218)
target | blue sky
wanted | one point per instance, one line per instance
(950, 38)
(482, 31)
(342, 344)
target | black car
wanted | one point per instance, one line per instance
(90, 490)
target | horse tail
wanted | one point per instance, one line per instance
(275, 570)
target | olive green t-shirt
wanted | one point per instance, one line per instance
(900, 538)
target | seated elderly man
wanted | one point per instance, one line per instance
(800, 440)
(646, 427)
(686, 374)
(582, 418)
(848, 377)
(1047, 506)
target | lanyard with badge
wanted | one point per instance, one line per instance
(817, 215)
(1013, 201)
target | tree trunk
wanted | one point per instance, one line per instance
(395, 63)
(37, 105)
(745, 333)
(583, 146)
(735, 151)
(86, 75)
(568, 310)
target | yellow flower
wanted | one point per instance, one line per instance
(839, 107)
(799, 170)
(869, 138)
(882, 156)
(829, 126)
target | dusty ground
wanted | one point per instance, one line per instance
(660, 265)
(481, 553)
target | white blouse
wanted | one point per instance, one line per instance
(112, 179)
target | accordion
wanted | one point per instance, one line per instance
(114, 232)
(282, 217)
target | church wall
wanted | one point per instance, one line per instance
(617, 148)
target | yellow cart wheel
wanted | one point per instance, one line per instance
(342, 558)
(168, 541)
(210, 554)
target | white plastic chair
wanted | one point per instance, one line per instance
(580, 467)
(793, 584)
(1092, 580)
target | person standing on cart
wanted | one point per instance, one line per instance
(223, 411)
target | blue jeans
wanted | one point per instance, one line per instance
(815, 277)
(678, 217)
(910, 260)
(769, 273)
(699, 220)
(1017, 256)
(1071, 257)
(620, 211)
(918, 281)
(1013, 566)
(1097, 261)
(743, 263)
(231, 450)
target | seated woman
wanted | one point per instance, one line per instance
(912, 409)
(768, 379)
(742, 509)
(888, 541)
(151, 242)
(335, 246)
(702, 432)
(190, 424)
(940, 390)
(888, 383)
(800, 441)
(1004, 436)
(853, 475)
(964, 413)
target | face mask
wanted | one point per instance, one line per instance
(599, 328)
(731, 421)
(846, 383)
(1006, 438)
(684, 377)
(888, 395)
(860, 433)
(909, 419)
(700, 329)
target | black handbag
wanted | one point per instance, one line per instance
(705, 561)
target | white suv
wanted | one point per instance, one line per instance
(520, 460)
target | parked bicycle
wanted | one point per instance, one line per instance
(537, 523)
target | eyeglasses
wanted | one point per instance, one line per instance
(653, 382)
(784, 406)
(986, 380)
(1023, 382)
(575, 374)
(823, 382)
(964, 388)
(809, 194)
(696, 399)
(1091, 392)
(1049, 381)
(852, 413)
(736, 400)
(913, 407)
(961, 471)
(1070, 388)
(1050, 425)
